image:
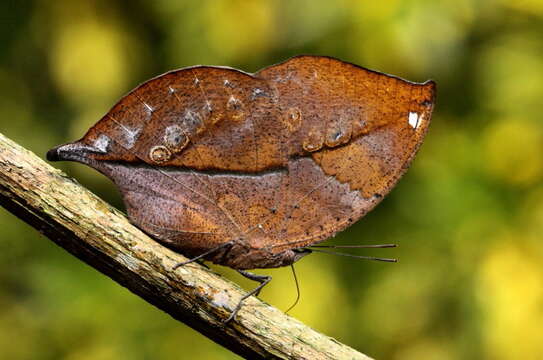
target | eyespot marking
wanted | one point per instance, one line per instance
(313, 142)
(293, 119)
(339, 132)
(175, 139)
(159, 154)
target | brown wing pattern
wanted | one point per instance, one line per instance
(272, 161)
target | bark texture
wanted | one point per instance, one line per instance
(101, 236)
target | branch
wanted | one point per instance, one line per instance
(101, 236)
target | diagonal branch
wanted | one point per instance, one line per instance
(101, 236)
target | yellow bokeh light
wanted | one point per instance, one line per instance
(239, 28)
(510, 291)
(509, 73)
(512, 151)
(531, 215)
(89, 62)
(529, 6)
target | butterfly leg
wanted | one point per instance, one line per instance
(262, 279)
(201, 256)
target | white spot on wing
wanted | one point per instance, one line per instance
(414, 119)
(101, 144)
(257, 92)
(131, 136)
(149, 108)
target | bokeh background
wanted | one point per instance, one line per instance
(468, 216)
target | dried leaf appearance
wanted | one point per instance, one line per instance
(251, 168)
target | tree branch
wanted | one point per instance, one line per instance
(101, 236)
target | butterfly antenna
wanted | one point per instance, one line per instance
(354, 256)
(376, 246)
(297, 289)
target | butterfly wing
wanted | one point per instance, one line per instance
(272, 161)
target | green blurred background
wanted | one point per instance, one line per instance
(468, 216)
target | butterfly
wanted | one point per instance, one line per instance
(253, 170)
